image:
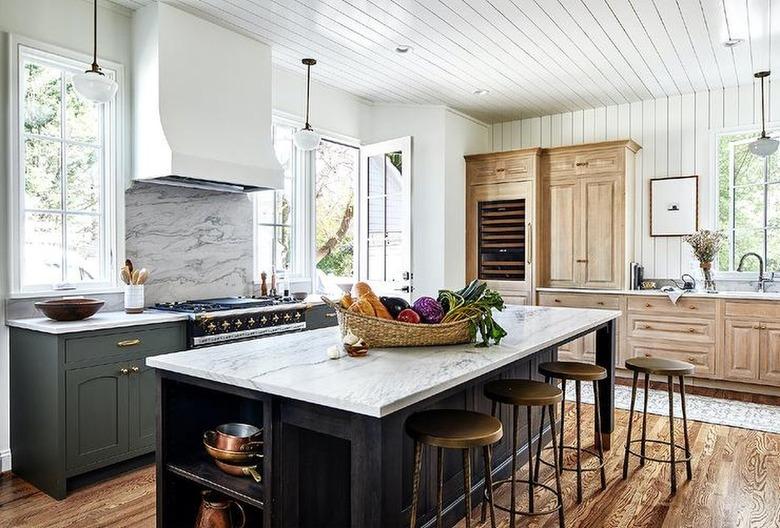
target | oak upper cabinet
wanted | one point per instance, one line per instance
(586, 213)
(500, 206)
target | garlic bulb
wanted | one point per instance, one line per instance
(350, 339)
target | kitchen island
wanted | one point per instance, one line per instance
(335, 450)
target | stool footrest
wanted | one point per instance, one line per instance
(548, 511)
(600, 465)
(682, 460)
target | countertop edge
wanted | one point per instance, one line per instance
(732, 295)
(117, 320)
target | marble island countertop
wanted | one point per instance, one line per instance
(296, 365)
(725, 294)
(99, 321)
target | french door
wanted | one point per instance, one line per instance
(385, 254)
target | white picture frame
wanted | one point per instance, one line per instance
(674, 206)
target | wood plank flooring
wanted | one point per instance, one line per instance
(735, 484)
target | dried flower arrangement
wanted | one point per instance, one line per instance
(705, 244)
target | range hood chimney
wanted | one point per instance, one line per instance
(202, 104)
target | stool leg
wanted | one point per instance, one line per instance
(688, 469)
(512, 477)
(541, 432)
(416, 483)
(487, 452)
(530, 462)
(630, 425)
(577, 402)
(644, 422)
(598, 435)
(670, 383)
(439, 484)
(561, 522)
(483, 514)
(563, 416)
(467, 485)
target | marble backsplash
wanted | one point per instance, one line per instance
(195, 243)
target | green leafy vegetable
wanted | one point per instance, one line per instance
(475, 302)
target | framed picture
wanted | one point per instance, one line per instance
(674, 206)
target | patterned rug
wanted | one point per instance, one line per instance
(756, 416)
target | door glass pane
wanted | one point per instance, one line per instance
(745, 241)
(42, 248)
(749, 207)
(83, 256)
(393, 177)
(394, 257)
(376, 179)
(42, 96)
(376, 238)
(42, 182)
(83, 189)
(82, 117)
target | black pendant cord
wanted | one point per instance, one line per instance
(308, 87)
(763, 118)
(95, 67)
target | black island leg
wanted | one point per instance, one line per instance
(605, 357)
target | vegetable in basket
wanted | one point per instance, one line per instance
(475, 302)
(430, 310)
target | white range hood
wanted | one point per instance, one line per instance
(202, 104)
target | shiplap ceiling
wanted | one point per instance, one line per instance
(535, 57)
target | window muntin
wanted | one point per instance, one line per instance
(748, 203)
(63, 177)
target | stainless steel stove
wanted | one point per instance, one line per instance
(215, 321)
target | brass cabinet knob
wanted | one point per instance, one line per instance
(692, 330)
(556, 300)
(124, 371)
(648, 305)
(600, 303)
(134, 370)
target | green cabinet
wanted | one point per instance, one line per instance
(83, 401)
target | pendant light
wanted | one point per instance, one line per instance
(763, 146)
(93, 84)
(306, 138)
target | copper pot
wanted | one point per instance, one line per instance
(215, 511)
(245, 456)
(238, 470)
(238, 437)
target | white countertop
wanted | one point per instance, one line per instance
(770, 296)
(296, 365)
(99, 321)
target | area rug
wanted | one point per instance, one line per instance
(756, 416)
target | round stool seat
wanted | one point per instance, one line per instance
(660, 366)
(453, 428)
(573, 370)
(523, 393)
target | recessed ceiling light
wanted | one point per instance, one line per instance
(730, 43)
(481, 91)
(403, 48)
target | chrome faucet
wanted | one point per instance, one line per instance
(761, 279)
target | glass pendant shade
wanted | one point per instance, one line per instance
(764, 146)
(95, 86)
(306, 139)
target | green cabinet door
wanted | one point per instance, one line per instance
(143, 391)
(97, 414)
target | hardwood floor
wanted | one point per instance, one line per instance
(735, 484)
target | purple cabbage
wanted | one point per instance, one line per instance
(430, 310)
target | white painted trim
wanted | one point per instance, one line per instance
(115, 161)
(5, 460)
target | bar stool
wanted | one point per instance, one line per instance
(577, 372)
(452, 429)
(525, 393)
(662, 367)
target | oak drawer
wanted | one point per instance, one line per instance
(598, 162)
(135, 340)
(559, 166)
(701, 356)
(500, 170)
(753, 310)
(659, 327)
(580, 300)
(648, 304)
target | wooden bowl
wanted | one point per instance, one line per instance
(69, 309)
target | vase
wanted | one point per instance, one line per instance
(709, 281)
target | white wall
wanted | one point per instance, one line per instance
(676, 135)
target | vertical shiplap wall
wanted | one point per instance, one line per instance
(676, 135)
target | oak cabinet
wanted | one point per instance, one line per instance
(586, 205)
(752, 351)
(769, 360)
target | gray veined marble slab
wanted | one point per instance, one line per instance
(296, 365)
(99, 321)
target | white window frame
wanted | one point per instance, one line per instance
(303, 225)
(772, 128)
(112, 200)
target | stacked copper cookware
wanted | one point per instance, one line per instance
(236, 448)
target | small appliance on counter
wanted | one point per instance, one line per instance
(636, 275)
(226, 319)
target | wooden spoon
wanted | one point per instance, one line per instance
(124, 274)
(134, 276)
(143, 276)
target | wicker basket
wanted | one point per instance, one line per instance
(382, 333)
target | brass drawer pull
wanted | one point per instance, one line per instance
(648, 305)
(330, 314)
(582, 261)
(600, 303)
(647, 327)
(692, 307)
(128, 343)
(557, 300)
(581, 164)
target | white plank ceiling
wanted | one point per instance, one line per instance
(535, 57)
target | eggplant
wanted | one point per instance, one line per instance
(394, 305)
